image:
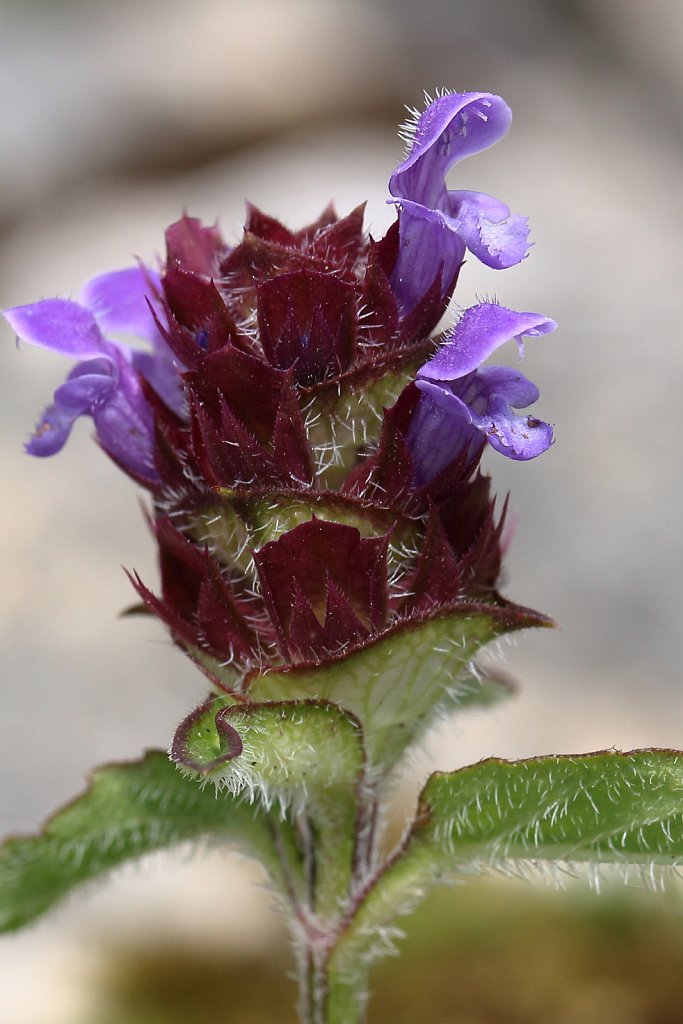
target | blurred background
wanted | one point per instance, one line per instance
(115, 116)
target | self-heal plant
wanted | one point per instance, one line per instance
(329, 556)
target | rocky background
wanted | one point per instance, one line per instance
(116, 116)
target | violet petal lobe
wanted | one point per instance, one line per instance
(60, 325)
(105, 384)
(517, 437)
(427, 246)
(162, 370)
(87, 385)
(121, 301)
(124, 423)
(480, 331)
(463, 405)
(490, 395)
(128, 301)
(488, 229)
(476, 408)
(453, 126)
(440, 429)
(77, 396)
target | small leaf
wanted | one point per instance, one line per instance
(127, 811)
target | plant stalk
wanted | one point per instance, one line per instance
(325, 997)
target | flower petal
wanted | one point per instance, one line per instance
(482, 403)
(61, 325)
(440, 429)
(120, 301)
(480, 331)
(492, 394)
(451, 128)
(52, 431)
(518, 437)
(427, 245)
(78, 396)
(517, 389)
(486, 227)
(127, 301)
(162, 371)
(125, 425)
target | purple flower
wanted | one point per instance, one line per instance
(463, 405)
(105, 383)
(128, 302)
(436, 224)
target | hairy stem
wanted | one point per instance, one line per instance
(326, 997)
(338, 841)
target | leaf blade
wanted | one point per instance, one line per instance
(305, 757)
(620, 808)
(127, 811)
(603, 807)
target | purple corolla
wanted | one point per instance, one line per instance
(437, 225)
(464, 405)
(105, 383)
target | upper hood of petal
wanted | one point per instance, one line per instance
(480, 331)
(61, 325)
(451, 128)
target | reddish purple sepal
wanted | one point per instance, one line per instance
(325, 587)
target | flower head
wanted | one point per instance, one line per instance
(437, 225)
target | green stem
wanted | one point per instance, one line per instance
(333, 856)
(327, 998)
(345, 1001)
(337, 838)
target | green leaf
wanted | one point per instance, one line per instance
(596, 807)
(605, 807)
(397, 684)
(127, 811)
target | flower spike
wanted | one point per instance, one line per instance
(329, 550)
(322, 527)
